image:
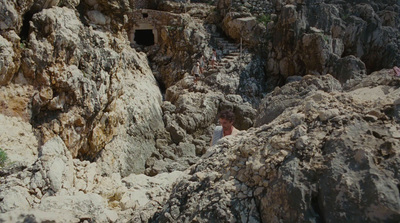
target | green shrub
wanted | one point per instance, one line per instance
(264, 19)
(326, 38)
(3, 157)
(22, 45)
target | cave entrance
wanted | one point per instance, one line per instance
(144, 34)
(144, 37)
(25, 26)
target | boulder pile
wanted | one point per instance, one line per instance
(95, 127)
(320, 153)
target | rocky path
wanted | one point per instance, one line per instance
(228, 55)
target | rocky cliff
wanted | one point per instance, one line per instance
(101, 120)
(320, 154)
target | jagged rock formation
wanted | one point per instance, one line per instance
(323, 155)
(318, 37)
(62, 189)
(99, 127)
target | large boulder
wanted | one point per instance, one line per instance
(290, 95)
(9, 18)
(9, 58)
(14, 130)
(298, 42)
(93, 93)
(298, 167)
(247, 29)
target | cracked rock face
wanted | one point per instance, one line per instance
(98, 128)
(329, 157)
(347, 39)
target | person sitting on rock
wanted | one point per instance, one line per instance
(196, 72)
(226, 119)
(202, 64)
(396, 71)
(213, 58)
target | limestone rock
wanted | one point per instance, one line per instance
(349, 68)
(17, 139)
(286, 98)
(54, 167)
(9, 17)
(70, 3)
(38, 216)
(7, 61)
(265, 173)
(242, 27)
(92, 101)
(103, 110)
(14, 198)
(91, 205)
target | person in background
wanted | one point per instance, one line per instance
(226, 120)
(213, 58)
(396, 71)
(196, 72)
(202, 64)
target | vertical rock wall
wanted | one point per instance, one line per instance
(346, 39)
(83, 83)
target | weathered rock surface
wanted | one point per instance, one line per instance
(56, 184)
(86, 89)
(309, 37)
(100, 128)
(17, 139)
(329, 157)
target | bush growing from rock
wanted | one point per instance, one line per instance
(3, 158)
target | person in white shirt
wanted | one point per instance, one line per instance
(213, 58)
(226, 120)
(196, 72)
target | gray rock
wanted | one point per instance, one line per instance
(287, 96)
(328, 114)
(88, 92)
(297, 119)
(38, 216)
(15, 198)
(348, 68)
(92, 206)
(9, 17)
(330, 161)
(8, 65)
(186, 149)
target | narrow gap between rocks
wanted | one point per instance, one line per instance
(398, 188)
(82, 8)
(316, 207)
(162, 88)
(24, 34)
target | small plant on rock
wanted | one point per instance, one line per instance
(3, 158)
(264, 19)
(22, 45)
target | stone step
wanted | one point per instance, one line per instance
(226, 43)
(235, 53)
(211, 70)
(228, 52)
(230, 48)
(230, 56)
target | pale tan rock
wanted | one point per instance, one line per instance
(17, 139)
(8, 67)
(324, 115)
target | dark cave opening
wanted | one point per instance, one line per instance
(316, 207)
(144, 37)
(162, 88)
(82, 9)
(24, 33)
